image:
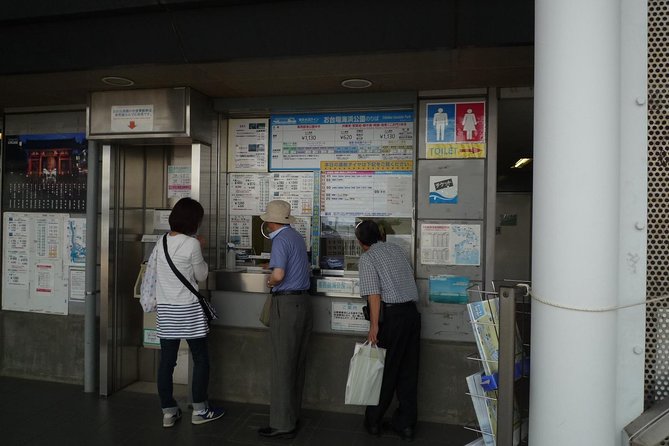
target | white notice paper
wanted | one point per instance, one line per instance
(178, 181)
(47, 235)
(249, 193)
(77, 284)
(369, 193)
(44, 279)
(348, 316)
(295, 188)
(248, 145)
(131, 118)
(240, 231)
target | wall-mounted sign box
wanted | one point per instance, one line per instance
(180, 113)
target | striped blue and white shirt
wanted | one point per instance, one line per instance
(181, 321)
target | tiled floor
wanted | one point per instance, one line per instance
(37, 412)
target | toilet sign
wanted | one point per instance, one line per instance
(132, 118)
(455, 130)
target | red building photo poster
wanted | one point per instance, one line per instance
(45, 173)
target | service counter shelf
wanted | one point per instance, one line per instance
(239, 295)
(254, 280)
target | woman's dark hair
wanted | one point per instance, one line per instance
(186, 216)
(368, 232)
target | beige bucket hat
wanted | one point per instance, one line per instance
(278, 211)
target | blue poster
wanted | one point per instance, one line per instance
(440, 123)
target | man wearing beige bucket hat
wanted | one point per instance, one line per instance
(290, 320)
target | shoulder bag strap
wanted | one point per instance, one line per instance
(180, 276)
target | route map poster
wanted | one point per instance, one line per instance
(450, 244)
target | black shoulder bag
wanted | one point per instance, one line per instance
(207, 307)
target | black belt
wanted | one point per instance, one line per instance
(285, 293)
(401, 304)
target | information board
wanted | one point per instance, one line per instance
(43, 256)
(372, 188)
(301, 142)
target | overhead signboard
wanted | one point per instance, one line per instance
(301, 142)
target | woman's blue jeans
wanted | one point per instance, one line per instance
(169, 349)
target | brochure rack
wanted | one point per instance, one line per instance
(500, 391)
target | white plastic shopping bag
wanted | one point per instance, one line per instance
(365, 375)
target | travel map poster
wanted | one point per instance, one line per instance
(45, 173)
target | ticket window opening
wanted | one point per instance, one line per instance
(253, 256)
(340, 249)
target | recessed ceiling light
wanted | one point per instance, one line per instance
(356, 83)
(118, 81)
(522, 162)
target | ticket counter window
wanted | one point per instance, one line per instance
(340, 250)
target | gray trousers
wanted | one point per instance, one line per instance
(291, 321)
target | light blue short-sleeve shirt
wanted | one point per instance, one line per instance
(290, 254)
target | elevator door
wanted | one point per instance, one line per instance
(134, 184)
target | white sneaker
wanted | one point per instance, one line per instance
(210, 415)
(169, 419)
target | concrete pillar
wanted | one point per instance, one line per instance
(575, 245)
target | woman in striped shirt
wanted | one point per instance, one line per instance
(180, 315)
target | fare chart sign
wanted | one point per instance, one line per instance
(301, 142)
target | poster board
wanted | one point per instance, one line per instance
(303, 141)
(43, 256)
(369, 188)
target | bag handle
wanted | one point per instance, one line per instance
(376, 346)
(177, 273)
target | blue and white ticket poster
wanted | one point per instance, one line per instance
(443, 190)
(301, 142)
